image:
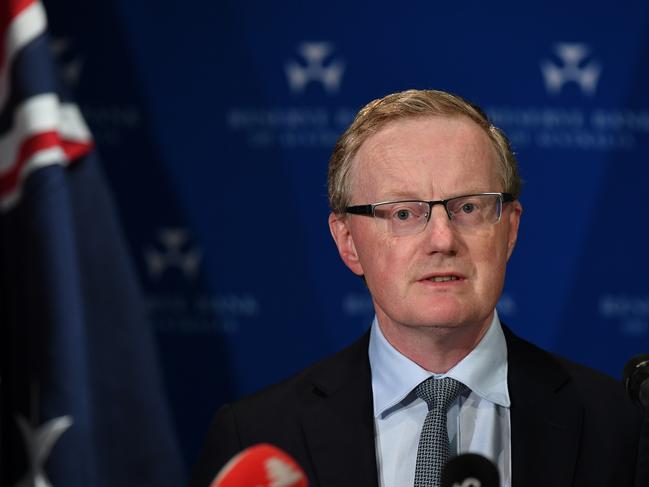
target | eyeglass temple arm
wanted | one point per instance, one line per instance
(360, 210)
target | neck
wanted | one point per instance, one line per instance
(436, 348)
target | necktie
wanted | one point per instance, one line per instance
(433, 450)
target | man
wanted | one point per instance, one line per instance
(424, 198)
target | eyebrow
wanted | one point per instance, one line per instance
(400, 195)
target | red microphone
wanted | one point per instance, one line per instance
(261, 465)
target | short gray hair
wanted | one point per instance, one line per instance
(410, 104)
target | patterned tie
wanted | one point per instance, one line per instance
(433, 450)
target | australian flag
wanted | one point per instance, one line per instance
(81, 397)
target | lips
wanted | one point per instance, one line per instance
(443, 277)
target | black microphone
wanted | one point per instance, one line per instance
(636, 380)
(470, 470)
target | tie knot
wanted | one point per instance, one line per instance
(439, 393)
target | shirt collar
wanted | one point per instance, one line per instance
(483, 370)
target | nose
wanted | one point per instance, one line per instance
(440, 233)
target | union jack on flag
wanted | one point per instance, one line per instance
(37, 127)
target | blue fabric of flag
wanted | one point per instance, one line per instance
(75, 343)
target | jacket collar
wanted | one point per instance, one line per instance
(338, 421)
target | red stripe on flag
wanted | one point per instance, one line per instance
(41, 141)
(74, 149)
(9, 10)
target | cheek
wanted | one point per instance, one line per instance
(383, 260)
(490, 258)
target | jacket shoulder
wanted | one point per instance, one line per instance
(319, 379)
(273, 414)
(564, 413)
(538, 366)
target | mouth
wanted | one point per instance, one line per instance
(443, 278)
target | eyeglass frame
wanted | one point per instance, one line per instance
(369, 210)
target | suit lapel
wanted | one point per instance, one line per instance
(546, 417)
(338, 421)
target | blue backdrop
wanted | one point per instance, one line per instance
(215, 121)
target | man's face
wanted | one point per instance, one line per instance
(430, 158)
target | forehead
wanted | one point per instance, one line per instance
(424, 158)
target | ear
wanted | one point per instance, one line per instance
(514, 221)
(340, 231)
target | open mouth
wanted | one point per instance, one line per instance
(443, 278)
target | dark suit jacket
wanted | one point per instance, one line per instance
(570, 426)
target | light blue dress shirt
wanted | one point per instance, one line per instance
(478, 422)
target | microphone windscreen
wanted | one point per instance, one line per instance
(636, 371)
(470, 470)
(261, 465)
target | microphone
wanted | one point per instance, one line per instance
(470, 470)
(636, 375)
(261, 465)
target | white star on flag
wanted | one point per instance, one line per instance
(39, 443)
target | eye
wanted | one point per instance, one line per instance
(468, 208)
(402, 214)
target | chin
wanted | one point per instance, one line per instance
(446, 315)
(437, 319)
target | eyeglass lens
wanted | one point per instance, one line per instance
(409, 217)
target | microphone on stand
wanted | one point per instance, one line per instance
(261, 465)
(636, 380)
(636, 383)
(470, 470)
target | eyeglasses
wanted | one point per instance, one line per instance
(409, 217)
